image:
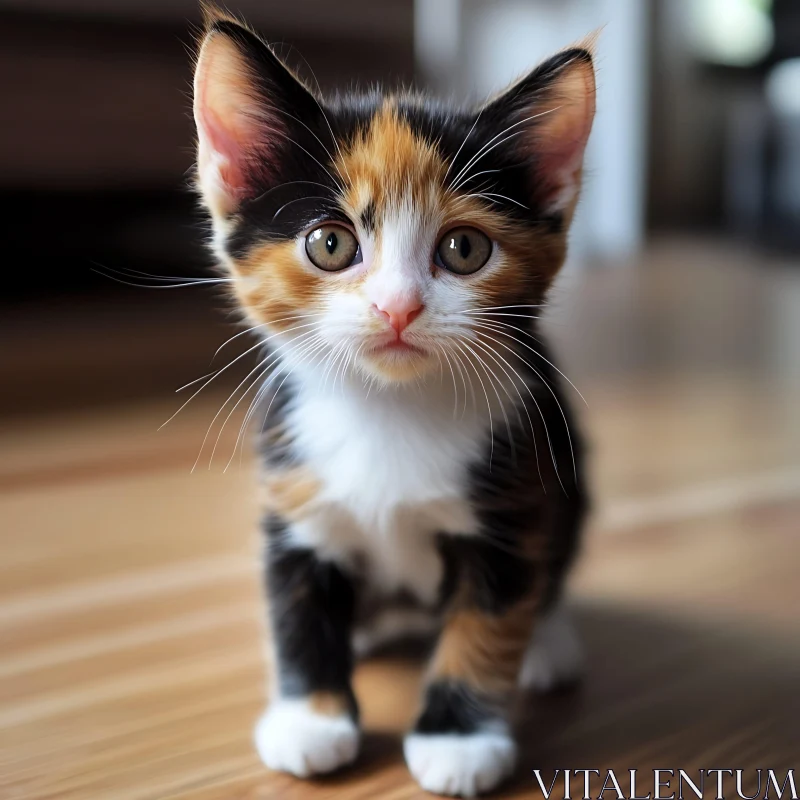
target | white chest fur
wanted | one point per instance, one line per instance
(393, 466)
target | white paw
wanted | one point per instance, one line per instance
(555, 655)
(462, 765)
(291, 737)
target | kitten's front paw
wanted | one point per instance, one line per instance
(462, 765)
(292, 737)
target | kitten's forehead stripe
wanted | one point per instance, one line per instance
(367, 217)
(388, 163)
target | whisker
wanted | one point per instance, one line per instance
(502, 407)
(502, 196)
(443, 352)
(236, 336)
(262, 390)
(162, 285)
(504, 314)
(555, 397)
(478, 174)
(458, 152)
(212, 378)
(527, 414)
(321, 143)
(488, 405)
(297, 200)
(331, 361)
(290, 318)
(292, 183)
(262, 367)
(348, 354)
(334, 140)
(483, 151)
(539, 355)
(270, 360)
(252, 408)
(462, 368)
(219, 372)
(275, 359)
(196, 380)
(324, 115)
(325, 169)
(130, 273)
(277, 390)
(499, 326)
(501, 308)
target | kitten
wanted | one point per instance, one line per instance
(421, 469)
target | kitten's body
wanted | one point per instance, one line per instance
(421, 469)
(393, 472)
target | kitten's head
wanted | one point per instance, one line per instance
(378, 230)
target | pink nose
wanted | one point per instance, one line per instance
(399, 313)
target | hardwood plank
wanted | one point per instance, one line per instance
(132, 663)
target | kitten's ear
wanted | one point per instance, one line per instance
(552, 108)
(245, 105)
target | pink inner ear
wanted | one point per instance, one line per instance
(223, 147)
(236, 131)
(561, 134)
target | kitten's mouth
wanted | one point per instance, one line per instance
(398, 346)
(396, 360)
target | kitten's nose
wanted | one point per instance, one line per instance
(400, 312)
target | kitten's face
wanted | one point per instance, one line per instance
(374, 233)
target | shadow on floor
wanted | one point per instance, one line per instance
(659, 693)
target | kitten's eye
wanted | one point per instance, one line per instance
(332, 248)
(463, 250)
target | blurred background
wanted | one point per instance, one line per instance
(697, 134)
(128, 586)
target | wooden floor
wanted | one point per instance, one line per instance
(131, 661)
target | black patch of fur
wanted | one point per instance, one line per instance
(495, 575)
(510, 502)
(368, 217)
(452, 707)
(312, 604)
(274, 444)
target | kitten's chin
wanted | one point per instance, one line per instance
(397, 364)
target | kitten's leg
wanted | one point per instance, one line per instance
(311, 724)
(555, 655)
(462, 743)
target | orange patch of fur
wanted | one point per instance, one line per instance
(484, 650)
(275, 286)
(387, 163)
(289, 493)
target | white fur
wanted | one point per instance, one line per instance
(291, 737)
(460, 765)
(555, 655)
(392, 466)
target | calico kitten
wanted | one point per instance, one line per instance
(421, 469)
